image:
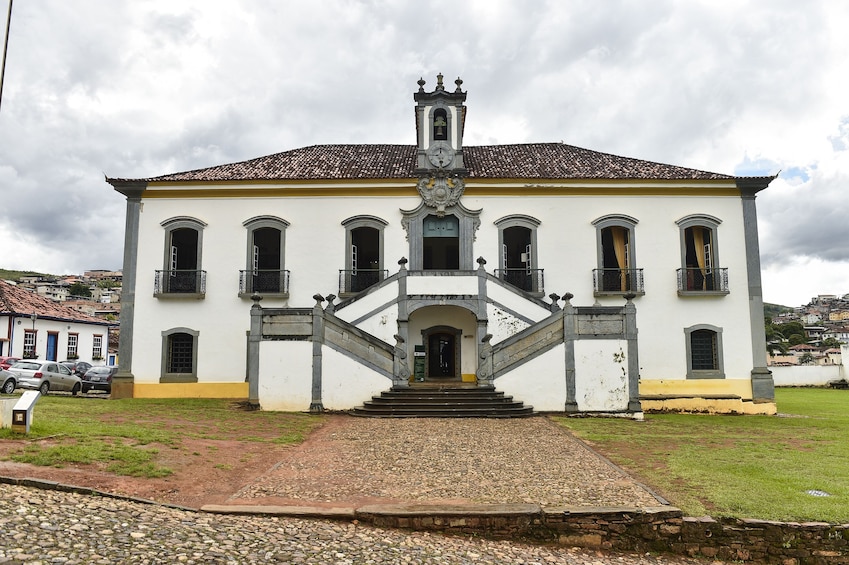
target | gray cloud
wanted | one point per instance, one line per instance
(147, 88)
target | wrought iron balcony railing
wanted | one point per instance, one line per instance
(694, 280)
(264, 281)
(357, 280)
(179, 282)
(618, 281)
(529, 280)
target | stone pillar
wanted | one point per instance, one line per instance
(254, 340)
(481, 331)
(485, 366)
(123, 381)
(569, 336)
(316, 405)
(763, 386)
(403, 314)
(633, 356)
(400, 366)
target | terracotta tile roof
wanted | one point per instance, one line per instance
(360, 162)
(18, 301)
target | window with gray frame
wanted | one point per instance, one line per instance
(182, 272)
(265, 271)
(616, 272)
(363, 254)
(700, 269)
(179, 355)
(704, 352)
(517, 241)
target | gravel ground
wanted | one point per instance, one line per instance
(41, 527)
(347, 462)
(530, 460)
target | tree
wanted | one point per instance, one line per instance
(806, 358)
(797, 339)
(790, 328)
(79, 289)
(107, 284)
(830, 343)
(776, 348)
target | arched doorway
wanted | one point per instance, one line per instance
(442, 353)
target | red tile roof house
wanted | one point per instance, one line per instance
(33, 326)
(572, 280)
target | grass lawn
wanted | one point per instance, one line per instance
(120, 432)
(743, 466)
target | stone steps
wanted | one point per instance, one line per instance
(443, 402)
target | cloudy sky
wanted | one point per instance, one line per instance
(142, 88)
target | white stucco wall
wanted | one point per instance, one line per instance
(807, 375)
(346, 383)
(366, 305)
(540, 383)
(601, 375)
(285, 375)
(567, 250)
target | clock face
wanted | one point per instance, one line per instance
(440, 154)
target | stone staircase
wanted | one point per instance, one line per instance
(443, 401)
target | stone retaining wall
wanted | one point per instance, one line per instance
(661, 529)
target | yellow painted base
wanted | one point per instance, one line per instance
(468, 378)
(712, 396)
(709, 406)
(190, 390)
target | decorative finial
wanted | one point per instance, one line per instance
(402, 261)
(318, 298)
(421, 82)
(481, 261)
(459, 83)
(439, 85)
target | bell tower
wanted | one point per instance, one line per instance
(440, 117)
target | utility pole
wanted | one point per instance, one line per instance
(5, 49)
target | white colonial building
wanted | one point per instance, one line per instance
(33, 326)
(573, 280)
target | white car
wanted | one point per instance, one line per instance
(8, 382)
(45, 376)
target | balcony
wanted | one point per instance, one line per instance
(352, 281)
(696, 281)
(618, 282)
(180, 284)
(529, 280)
(271, 283)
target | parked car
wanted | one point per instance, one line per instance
(10, 382)
(45, 376)
(77, 367)
(6, 362)
(99, 378)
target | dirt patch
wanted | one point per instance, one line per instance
(204, 471)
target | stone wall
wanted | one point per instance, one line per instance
(661, 529)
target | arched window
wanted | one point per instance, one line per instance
(616, 272)
(182, 274)
(363, 254)
(704, 352)
(440, 124)
(700, 270)
(179, 356)
(265, 271)
(518, 264)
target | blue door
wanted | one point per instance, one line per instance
(52, 341)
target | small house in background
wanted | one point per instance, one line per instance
(35, 327)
